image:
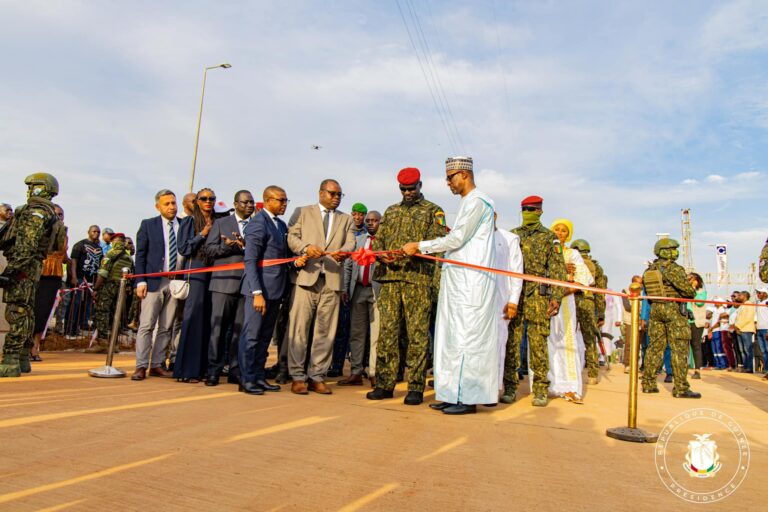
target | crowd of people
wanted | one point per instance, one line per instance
(395, 316)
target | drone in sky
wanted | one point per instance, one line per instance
(316, 147)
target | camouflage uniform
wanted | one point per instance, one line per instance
(406, 290)
(543, 257)
(764, 263)
(36, 231)
(111, 272)
(590, 308)
(668, 325)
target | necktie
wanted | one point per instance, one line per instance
(326, 215)
(242, 226)
(367, 268)
(172, 250)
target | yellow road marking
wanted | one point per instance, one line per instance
(304, 422)
(5, 498)
(361, 502)
(26, 420)
(60, 376)
(447, 447)
(59, 399)
(8, 397)
(61, 506)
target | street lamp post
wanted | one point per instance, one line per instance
(199, 119)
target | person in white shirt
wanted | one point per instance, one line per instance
(762, 325)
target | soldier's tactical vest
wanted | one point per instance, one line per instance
(656, 284)
(52, 240)
(592, 270)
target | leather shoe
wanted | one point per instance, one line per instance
(250, 388)
(231, 379)
(460, 408)
(650, 390)
(668, 379)
(687, 394)
(212, 380)
(439, 406)
(379, 394)
(353, 380)
(319, 387)
(266, 386)
(299, 387)
(159, 372)
(335, 373)
(272, 371)
(139, 374)
(414, 398)
(283, 378)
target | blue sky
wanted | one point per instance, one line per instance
(618, 113)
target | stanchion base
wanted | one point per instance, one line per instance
(106, 372)
(634, 435)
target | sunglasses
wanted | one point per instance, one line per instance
(281, 201)
(450, 176)
(246, 202)
(334, 194)
(530, 208)
(207, 199)
(407, 189)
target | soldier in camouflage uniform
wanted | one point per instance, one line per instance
(107, 289)
(590, 310)
(406, 288)
(543, 257)
(36, 231)
(669, 321)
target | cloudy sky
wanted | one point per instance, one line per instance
(619, 114)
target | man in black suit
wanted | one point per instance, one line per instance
(263, 287)
(156, 251)
(225, 245)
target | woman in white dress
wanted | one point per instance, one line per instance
(565, 343)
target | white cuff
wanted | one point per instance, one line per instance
(257, 292)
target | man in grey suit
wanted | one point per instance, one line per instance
(361, 292)
(225, 245)
(322, 233)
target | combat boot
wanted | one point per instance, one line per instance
(509, 396)
(686, 394)
(10, 366)
(540, 401)
(24, 364)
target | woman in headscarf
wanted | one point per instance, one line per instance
(565, 343)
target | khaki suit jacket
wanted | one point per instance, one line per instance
(308, 230)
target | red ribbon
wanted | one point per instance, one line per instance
(364, 257)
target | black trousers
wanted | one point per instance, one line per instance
(226, 320)
(255, 340)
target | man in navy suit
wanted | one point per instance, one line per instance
(263, 287)
(156, 251)
(225, 245)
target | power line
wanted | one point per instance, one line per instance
(443, 117)
(441, 96)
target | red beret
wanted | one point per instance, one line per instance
(408, 176)
(259, 205)
(118, 235)
(531, 200)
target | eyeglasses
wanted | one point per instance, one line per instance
(207, 199)
(283, 200)
(251, 201)
(407, 189)
(530, 208)
(450, 176)
(333, 194)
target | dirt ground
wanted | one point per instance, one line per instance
(73, 442)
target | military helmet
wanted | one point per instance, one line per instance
(665, 243)
(581, 245)
(47, 181)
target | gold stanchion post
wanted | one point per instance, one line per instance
(108, 371)
(631, 432)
